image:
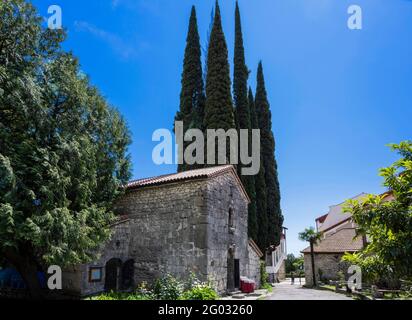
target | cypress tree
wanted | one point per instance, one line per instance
(274, 213)
(260, 187)
(192, 97)
(219, 113)
(240, 78)
(241, 74)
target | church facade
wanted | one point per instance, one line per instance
(190, 222)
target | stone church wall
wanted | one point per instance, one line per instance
(178, 229)
(168, 230)
(254, 266)
(224, 196)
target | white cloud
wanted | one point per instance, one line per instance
(125, 50)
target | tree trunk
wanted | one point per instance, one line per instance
(312, 256)
(27, 267)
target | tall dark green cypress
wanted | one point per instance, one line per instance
(240, 77)
(192, 96)
(219, 112)
(275, 217)
(260, 187)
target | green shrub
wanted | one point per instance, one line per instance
(200, 292)
(267, 287)
(121, 296)
(168, 288)
(264, 276)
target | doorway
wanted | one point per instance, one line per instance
(128, 275)
(230, 271)
(113, 270)
(237, 274)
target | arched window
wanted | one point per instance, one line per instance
(231, 221)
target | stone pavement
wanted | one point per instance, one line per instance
(257, 295)
(286, 291)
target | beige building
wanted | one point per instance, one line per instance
(338, 237)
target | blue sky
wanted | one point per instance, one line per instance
(337, 96)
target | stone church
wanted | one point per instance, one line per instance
(194, 221)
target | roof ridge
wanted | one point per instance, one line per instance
(352, 198)
(208, 172)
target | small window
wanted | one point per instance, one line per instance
(231, 222)
(95, 274)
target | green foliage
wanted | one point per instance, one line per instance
(260, 187)
(121, 296)
(264, 115)
(168, 288)
(294, 264)
(243, 120)
(310, 235)
(341, 276)
(200, 292)
(62, 148)
(387, 224)
(267, 287)
(219, 112)
(264, 276)
(192, 96)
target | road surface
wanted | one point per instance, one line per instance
(286, 291)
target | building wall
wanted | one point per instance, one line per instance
(254, 266)
(223, 195)
(168, 230)
(175, 229)
(330, 265)
(281, 275)
(76, 279)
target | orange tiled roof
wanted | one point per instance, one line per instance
(344, 240)
(204, 173)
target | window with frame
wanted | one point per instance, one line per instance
(95, 274)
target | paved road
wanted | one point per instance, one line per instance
(286, 291)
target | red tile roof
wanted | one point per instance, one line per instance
(322, 218)
(204, 173)
(344, 240)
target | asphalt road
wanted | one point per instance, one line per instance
(286, 291)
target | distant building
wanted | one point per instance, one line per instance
(194, 221)
(339, 237)
(276, 260)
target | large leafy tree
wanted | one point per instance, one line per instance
(240, 90)
(387, 222)
(192, 97)
(219, 111)
(260, 188)
(62, 150)
(274, 212)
